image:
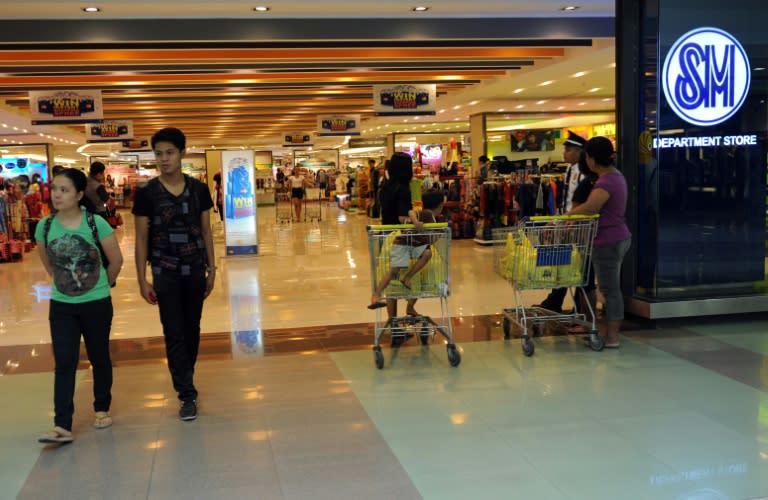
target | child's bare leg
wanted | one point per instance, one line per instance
(418, 266)
(376, 297)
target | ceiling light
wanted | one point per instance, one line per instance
(607, 99)
(544, 84)
(520, 106)
(579, 74)
(517, 91)
(570, 8)
(91, 9)
(594, 89)
(501, 110)
(582, 103)
(473, 103)
(561, 107)
(541, 102)
(456, 107)
(420, 8)
(261, 8)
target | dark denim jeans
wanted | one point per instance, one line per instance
(68, 321)
(180, 300)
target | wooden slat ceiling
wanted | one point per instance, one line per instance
(241, 93)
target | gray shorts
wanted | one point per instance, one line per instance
(402, 254)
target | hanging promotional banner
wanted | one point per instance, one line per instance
(109, 131)
(297, 139)
(65, 106)
(136, 145)
(237, 174)
(338, 125)
(415, 99)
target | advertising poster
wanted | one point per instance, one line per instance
(109, 131)
(338, 125)
(534, 140)
(237, 174)
(326, 159)
(65, 106)
(416, 99)
(297, 139)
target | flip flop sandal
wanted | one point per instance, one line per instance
(377, 305)
(103, 420)
(57, 435)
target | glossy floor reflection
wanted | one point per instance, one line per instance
(293, 407)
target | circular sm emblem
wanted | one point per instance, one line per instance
(706, 76)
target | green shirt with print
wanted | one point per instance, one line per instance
(78, 275)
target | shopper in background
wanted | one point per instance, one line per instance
(80, 299)
(219, 195)
(298, 183)
(573, 147)
(96, 192)
(609, 199)
(484, 169)
(173, 234)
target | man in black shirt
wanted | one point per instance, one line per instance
(173, 234)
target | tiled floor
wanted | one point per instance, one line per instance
(293, 407)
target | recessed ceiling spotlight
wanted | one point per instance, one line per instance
(579, 74)
(501, 110)
(457, 106)
(261, 8)
(541, 102)
(607, 99)
(91, 9)
(594, 89)
(520, 106)
(560, 107)
(582, 103)
(420, 8)
(517, 91)
(473, 103)
(544, 84)
(570, 8)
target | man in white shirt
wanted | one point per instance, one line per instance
(573, 147)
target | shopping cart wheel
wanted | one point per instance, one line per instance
(454, 356)
(528, 347)
(507, 326)
(596, 342)
(379, 357)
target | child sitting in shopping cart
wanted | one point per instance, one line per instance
(411, 245)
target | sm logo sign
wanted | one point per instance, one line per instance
(706, 76)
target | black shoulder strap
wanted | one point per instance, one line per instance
(92, 225)
(47, 228)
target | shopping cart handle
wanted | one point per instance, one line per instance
(554, 218)
(429, 225)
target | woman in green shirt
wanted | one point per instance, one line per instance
(73, 246)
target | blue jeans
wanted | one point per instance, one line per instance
(180, 300)
(68, 321)
(607, 263)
